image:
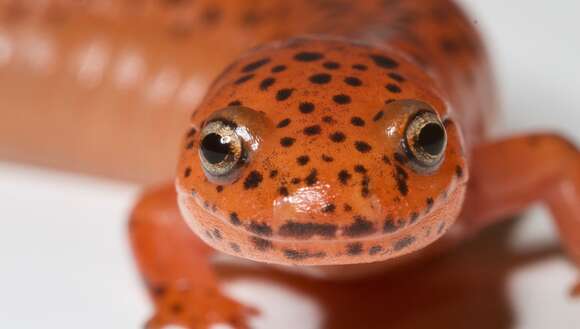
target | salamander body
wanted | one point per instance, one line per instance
(337, 137)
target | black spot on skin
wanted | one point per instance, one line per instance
(331, 65)
(283, 191)
(393, 88)
(306, 107)
(352, 81)
(341, 99)
(401, 176)
(396, 76)
(187, 172)
(400, 158)
(312, 177)
(384, 61)
(458, 171)
(244, 79)
(354, 249)
(273, 173)
(329, 208)
(320, 79)
(266, 83)
(211, 15)
(362, 147)
(450, 46)
(176, 308)
(284, 94)
(429, 204)
(159, 291)
(255, 65)
(327, 158)
(302, 160)
(360, 227)
(337, 137)
(260, 228)
(344, 176)
(312, 130)
(219, 188)
(217, 234)
(234, 219)
(191, 132)
(327, 119)
(283, 123)
(261, 244)
(391, 226)
(235, 247)
(307, 230)
(296, 181)
(278, 68)
(302, 254)
(378, 116)
(287, 141)
(414, 217)
(386, 160)
(404, 243)
(253, 179)
(235, 103)
(251, 18)
(365, 186)
(306, 56)
(357, 121)
(360, 169)
(360, 67)
(375, 250)
(347, 207)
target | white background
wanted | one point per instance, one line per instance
(64, 256)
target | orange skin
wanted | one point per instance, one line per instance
(357, 203)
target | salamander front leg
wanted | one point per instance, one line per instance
(176, 269)
(510, 174)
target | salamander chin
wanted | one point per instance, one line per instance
(320, 244)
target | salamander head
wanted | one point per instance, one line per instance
(321, 152)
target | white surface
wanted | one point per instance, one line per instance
(64, 257)
(286, 308)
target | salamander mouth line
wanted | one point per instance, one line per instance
(337, 237)
(309, 233)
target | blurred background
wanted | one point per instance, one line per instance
(65, 260)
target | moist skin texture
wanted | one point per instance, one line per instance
(321, 94)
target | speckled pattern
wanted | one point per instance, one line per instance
(324, 185)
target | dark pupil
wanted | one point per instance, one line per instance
(431, 139)
(214, 151)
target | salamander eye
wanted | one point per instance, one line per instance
(425, 140)
(221, 149)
